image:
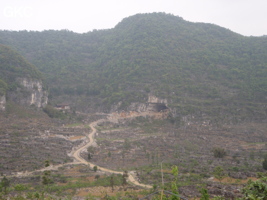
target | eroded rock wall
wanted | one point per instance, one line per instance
(3, 103)
(153, 99)
(29, 93)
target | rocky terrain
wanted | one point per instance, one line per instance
(29, 137)
(138, 143)
(144, 141)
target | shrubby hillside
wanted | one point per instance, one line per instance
(201, 69)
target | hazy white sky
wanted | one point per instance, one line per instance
(247, 17)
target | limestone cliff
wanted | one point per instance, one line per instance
(2, 103)
(30, 92)
(20, 81)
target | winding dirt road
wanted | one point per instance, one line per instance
(78, 157)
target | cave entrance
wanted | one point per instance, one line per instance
(158, 107)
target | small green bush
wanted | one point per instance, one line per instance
(256, 189)
(219, 152)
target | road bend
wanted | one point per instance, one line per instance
(77, 156)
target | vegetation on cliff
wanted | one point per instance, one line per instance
(13, 66)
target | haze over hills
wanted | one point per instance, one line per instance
(199, 68)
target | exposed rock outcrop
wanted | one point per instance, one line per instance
(138, 107)
(29, 93)
(156, 104)
(3, 103)
(153, 104)
(154, 100)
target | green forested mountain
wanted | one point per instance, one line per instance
(200, 68)
(12, 66)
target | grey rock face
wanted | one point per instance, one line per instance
(2, 103)
(29, 93)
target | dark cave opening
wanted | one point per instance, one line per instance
(159, 107)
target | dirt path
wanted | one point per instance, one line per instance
(76, 154)
(51, 167)
(78, 157)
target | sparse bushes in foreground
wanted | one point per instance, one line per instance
(219, 152)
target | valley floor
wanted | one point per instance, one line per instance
(135, 142)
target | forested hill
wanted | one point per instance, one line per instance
(13, 66)
(200, 68)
